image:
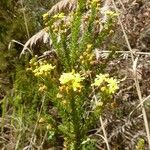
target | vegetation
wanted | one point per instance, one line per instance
(58, 89)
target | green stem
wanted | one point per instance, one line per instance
(76, 123)
(75, 33)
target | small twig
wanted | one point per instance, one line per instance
(122, 5)
(101, 136)
(14, 41)
(18, 141)
(44, 138)
(138, 53)
(104, 132)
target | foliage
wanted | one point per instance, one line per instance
(70, 80)
(140, 144)
(64, 98)
(12, 27)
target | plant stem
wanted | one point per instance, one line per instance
(76, 123)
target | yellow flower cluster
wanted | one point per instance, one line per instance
(40, 68)
(61, 24)
(91, 3)
(100, 79)
(44, 122)
(45, 16)
(111, 13)
(106, 83)
(72, 80)
(42, 88)
(95, 1)
(88, 55)
(63, 28)
(43, 70)
(59, 16)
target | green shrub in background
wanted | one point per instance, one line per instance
(13, 17)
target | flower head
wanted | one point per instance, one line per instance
(106, 84)
(59, 16)
(112, 85)
(42, 88)
(46, 67)
(45, 16)
(43, 69)
(100, 79)
(89, 46)
(72, 80)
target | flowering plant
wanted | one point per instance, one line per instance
(74, 82)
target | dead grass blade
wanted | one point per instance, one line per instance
(41, 35)
(14, 41)
(63, 6)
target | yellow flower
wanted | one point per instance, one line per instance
(76, 86)
(103, 88)
(112, 85)
(41, 120)
(64, 102)
(59, 16)
(42, 88)
(89, 46)
(46, 67)
(72, 80)
(49, 127)
(66, 78)
(111, 13)
(100, 79)
(43, 69)
(99, 104)
(59, 95)
(81, 57)
(45, 16)
(95, 1)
